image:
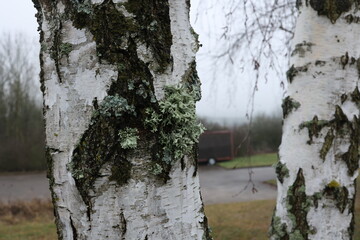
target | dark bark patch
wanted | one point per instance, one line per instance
(331, 8)
(343, 98)
(314, 127)
(111, 29)
(298, 4)
(344, 59)
(338, 194)
(293, 71)
(329, 138)
(340, 119)
(302, 48)
(288, 105)
(350, 18)
(320, 63)
(355, 96)
(281, 171)
(298, 204)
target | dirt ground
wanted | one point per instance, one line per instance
(218, 185)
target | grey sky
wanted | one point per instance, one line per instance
(225, 94)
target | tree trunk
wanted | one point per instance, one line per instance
(120, 86)
(319, 152)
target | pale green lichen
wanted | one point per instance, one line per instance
(176, 123)
(65, 49)
(278, 228)
(114, 106)
(128, 138)
(157, 169)
(281, 171)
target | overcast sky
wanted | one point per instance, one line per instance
(226, 93)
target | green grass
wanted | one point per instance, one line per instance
(40, 229)
(252, 161)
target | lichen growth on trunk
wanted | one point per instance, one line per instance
(314, 127)
(298, 205)
(288, 105)
(281, 171)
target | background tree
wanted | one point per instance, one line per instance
(319, 154)
(120, 86)
(21, 123)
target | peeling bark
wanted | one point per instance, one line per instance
(112, 74)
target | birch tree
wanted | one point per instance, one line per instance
(319, 152)
(120, 85)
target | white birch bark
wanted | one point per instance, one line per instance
(78, 74)
(319, 150)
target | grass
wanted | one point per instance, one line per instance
(244, 220)
(252, 161)
(27, 221)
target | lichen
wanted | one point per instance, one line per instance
(298, 206)
(116, 37)
(128, 138)
(114, 106)
(281, 171)
(176, 124)
(65, 49)
(333, 184)
(288, 105)
(331, 8)
(314, 127)
(278, 229)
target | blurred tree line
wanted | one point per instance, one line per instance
(263, 135)
(21, 123)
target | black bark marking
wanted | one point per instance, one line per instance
(329, 138)
(331, 8)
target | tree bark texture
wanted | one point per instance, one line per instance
(120, 85)
(319, 155)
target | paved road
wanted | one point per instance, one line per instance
(220, 185)
(217, 185)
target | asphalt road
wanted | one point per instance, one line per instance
(218, 185)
